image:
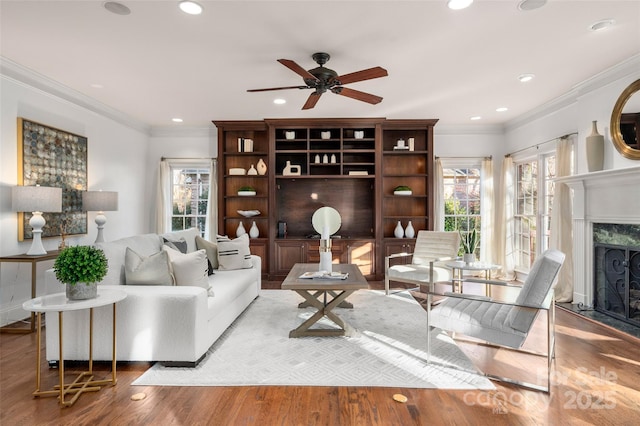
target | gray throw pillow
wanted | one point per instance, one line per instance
(180, 245)
(152, 270)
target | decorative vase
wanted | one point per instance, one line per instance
(254, 232)
(262, 167)
(240, 231)
(325, 159)
(317, 159)
(252, 171)
(469, 258)
(333, 159)
(595, 149)
(409, 232)
(82, 291)
(398, 232)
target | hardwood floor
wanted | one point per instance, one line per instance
(596, 380)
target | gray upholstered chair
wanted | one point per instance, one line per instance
(432, 249)
(500, 323)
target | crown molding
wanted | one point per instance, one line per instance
(625, 68)
(31, 79)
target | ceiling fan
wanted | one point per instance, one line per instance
(322, 79)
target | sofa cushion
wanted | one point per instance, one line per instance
(211, 249)
(190, 268)
(147, 270)
(234, 254)
(227, 287)
(114, 251)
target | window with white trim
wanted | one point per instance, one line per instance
(190, 188)
(462, 200)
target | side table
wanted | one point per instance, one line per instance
(59, 303)
(458, 267)
(33, 259)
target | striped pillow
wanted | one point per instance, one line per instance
(234, 254)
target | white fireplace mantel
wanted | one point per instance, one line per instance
(608, 196)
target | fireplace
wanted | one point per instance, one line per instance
(617, 271)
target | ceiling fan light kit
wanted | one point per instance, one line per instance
(322, 79)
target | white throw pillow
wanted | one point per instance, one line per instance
(190, 268)
(212, 251)
(152, 270)
(234, 254)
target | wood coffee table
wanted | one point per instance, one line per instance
(317, 291)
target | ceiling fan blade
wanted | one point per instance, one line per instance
(356, 94)
(297, 69)
(278, 88)
(312, 100)
(368, 74)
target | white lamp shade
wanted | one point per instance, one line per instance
(36, 199)
(99, 201)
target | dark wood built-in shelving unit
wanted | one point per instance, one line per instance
(358, 179)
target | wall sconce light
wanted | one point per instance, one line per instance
(36, 199)
(100, 201)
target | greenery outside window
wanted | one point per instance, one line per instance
(462, 201)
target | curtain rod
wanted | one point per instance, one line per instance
(193, 158)
(490, 157)
(536, 146)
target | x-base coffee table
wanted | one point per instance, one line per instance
(324, 294)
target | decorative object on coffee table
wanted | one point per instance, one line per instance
(81, 268)
(469, 245)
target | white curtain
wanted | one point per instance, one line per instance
(163, 199)
(211, 224)
(505, 244)
(561, 232)
(487, 200)
(438, 197)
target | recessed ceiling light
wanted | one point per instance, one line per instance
(525, 77)
(177, 120)
(476, 117)
(601, 25)
(531, 4)
(458, 4)
(279, 101)
(190, 7)
(502, 109)
(117, 8)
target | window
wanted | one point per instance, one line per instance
(534, 198)
(189, 197)
(462, 200)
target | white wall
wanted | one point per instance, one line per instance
(117, 161)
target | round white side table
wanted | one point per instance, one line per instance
(457, 271)
(59, 303)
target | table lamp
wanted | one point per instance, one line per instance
(36, 199)
(100, 201)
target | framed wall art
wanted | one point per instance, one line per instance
(53, 157)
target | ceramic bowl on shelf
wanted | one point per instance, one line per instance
(403, 192)
(248, 213)
(246, 193)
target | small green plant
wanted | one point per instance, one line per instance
(402, 188)
(469, 241)
(80, 264)
(247, 188)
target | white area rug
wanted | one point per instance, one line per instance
(388, 349)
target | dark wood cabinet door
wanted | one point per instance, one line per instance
(259, 248)
(287, 254)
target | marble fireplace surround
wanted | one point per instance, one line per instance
(608, 196)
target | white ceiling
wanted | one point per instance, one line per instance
(158, 63)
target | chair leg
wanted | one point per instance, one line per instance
(429, 300)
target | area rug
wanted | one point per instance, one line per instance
(387, 349)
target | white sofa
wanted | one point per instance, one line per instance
(175, 325)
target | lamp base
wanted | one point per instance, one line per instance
(100, 221)
(37, 222)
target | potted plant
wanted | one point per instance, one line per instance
(247, 191)
(81, 268)
(469, 245)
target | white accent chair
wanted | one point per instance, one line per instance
(500, 323)
(432, 249)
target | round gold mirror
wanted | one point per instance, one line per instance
(625, 122)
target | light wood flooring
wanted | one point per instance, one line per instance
(596, 382)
